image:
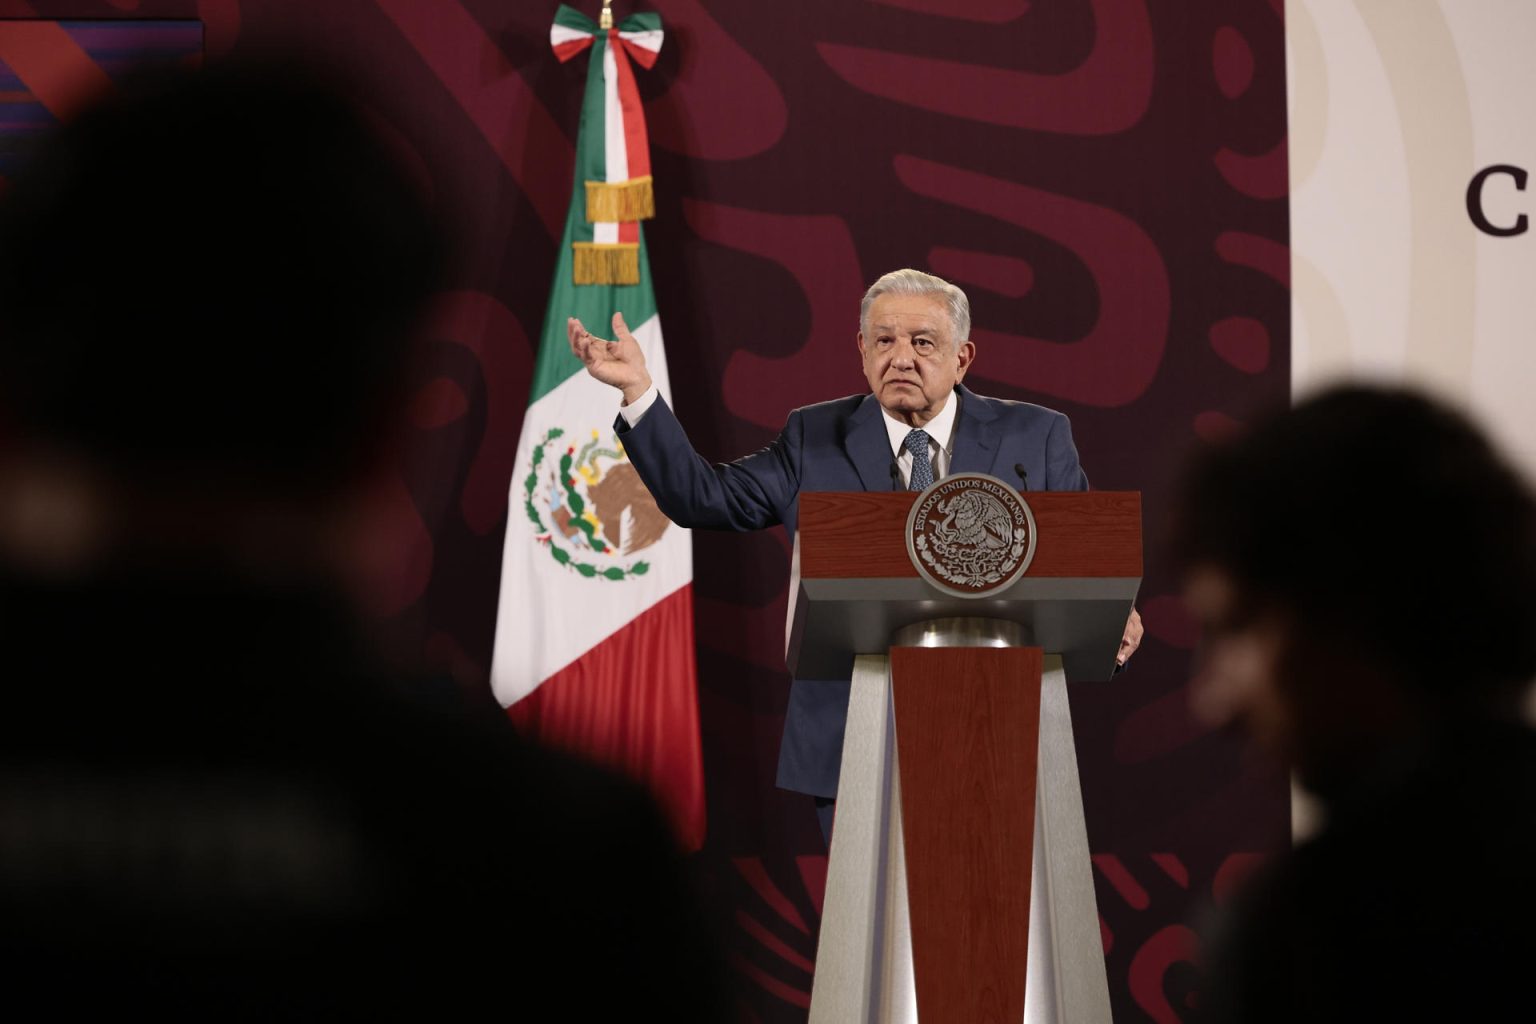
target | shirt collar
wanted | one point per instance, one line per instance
(941, 428)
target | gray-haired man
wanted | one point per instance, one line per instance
(918, 423)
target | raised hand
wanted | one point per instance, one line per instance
(618, 363)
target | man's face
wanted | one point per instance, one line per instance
(911, 357)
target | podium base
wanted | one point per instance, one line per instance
(864, 965)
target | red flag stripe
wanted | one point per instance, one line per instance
(565, 51)
(636, 143)
(645, 724)
(643, 56)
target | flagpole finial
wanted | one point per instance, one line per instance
(605, 21)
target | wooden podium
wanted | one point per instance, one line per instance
(959, 887)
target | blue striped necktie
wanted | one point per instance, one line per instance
(916, 442)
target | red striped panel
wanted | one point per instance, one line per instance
(61, 75)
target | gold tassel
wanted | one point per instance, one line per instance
(613, 201)
(606, 263)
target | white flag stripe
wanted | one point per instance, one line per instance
(614, 148)
(648, 40)
(560, 34)
(548, 614)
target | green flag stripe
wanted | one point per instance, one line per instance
(641, 21)
(593, 304)
(573, 19)
(592, 143)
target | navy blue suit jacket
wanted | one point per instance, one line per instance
(841, 445)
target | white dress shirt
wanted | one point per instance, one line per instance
(941, 432)
(640, 406)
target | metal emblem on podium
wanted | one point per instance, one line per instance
(971, 535)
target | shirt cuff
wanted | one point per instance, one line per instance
(640, 406)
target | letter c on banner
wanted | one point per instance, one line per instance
(1475, 201)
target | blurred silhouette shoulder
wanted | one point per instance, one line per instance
(216, 798)
(1363, 568)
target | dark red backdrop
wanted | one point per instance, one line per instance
(1105, 177)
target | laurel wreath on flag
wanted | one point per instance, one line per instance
(545, 537)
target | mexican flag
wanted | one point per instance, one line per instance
(594, 629)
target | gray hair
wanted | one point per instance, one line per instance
(914, 282)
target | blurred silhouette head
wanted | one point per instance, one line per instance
(1362, 567)
(212, 277)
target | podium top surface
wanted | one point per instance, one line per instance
(862, 534)
(854, 583)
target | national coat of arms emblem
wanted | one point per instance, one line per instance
(589, 507)
(971, 535)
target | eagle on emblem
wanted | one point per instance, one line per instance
(976, 521)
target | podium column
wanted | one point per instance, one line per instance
(980, 848)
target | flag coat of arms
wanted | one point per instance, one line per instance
(594, 627)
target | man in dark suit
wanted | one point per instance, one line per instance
(917, 424)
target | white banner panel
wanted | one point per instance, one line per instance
(1413, 222)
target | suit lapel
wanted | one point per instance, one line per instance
(976, 435)
(869, 446)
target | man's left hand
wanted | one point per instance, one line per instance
(1132, 638)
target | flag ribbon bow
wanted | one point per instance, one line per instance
(613, 155)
